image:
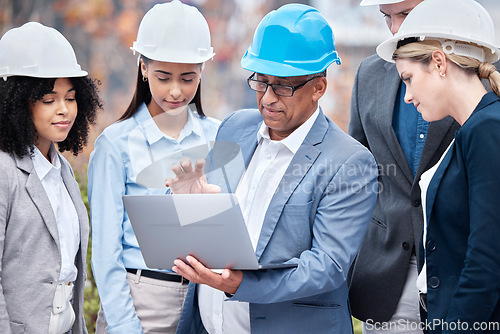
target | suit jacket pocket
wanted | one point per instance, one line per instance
(325, 317)
(378, 222)
(316, 304)
(17, 328)
(295, 228)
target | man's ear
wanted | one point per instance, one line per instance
(320, 85)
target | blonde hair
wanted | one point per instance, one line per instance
(422, 51)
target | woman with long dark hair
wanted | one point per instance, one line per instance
(133, 156)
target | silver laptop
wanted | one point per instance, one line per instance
(209, 227)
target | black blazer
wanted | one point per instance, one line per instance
(463, 205)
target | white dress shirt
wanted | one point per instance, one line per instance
(254, 192)
(425, 180)
(68, 226)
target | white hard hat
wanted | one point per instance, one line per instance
(35, 50)
(174, 32)
(378, 2)
(445, 20)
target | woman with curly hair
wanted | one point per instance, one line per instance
(45, 98)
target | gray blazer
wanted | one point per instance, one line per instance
(379, 272)
(30, 260)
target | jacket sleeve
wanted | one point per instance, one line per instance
(478, 291)
(106, 186)
(340, 222)
(4, 214)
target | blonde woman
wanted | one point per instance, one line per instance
(442, 51)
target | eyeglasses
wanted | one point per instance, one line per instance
(280, 90)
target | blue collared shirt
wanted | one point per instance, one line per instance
(410, 129)
(121, 153)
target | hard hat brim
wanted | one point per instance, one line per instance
(266, 67)
(279, 69)
(378, 2)
(181, 58)
(386, 49)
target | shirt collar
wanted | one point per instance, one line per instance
(42, 165)
(154, 134)
(295, 139)
(193, 125)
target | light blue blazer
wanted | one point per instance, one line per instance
(317, 219)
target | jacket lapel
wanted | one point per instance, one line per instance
(248, 143)
(38, 196)
(390, 83)
(298, 168)
(227, 174)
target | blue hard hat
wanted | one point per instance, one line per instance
(291, 41)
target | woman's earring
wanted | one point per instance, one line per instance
(144, 78)
(442, 74)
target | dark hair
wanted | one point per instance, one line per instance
(142, 95)
(322, 74)
(17, 130)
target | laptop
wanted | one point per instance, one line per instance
(209, 227)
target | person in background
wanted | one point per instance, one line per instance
(442, 60)
(382, 288)
(164, 118)
(45, 100)
(307, 194)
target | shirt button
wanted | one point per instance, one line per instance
(268, 156)
(422, 136)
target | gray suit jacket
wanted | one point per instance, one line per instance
(379, 272)
(30, 259)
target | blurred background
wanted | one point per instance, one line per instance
(102, 31)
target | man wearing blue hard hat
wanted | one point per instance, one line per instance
(307, 193)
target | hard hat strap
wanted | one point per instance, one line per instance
(463, 49)
(450, 47)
